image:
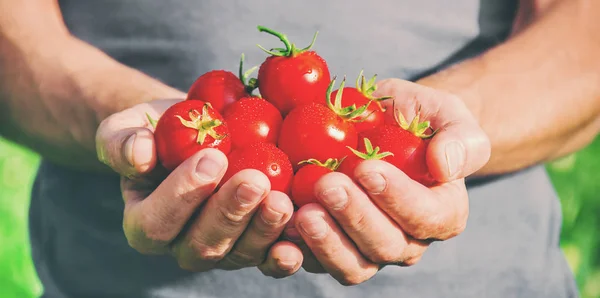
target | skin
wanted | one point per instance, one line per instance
(46, 74)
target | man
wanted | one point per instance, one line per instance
(78, 77)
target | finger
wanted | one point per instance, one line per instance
(332, 248)
(264, 229)
(375, 234)
(221, 221)
(152, 222)
(310, 263)
(460, 147)
(124, 141)
(284, 259)
(437, 213)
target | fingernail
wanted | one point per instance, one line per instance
(208, 168)
(335, 198)
(373, 183)
(287, 265)
(314, 227)
(248, 194)
(455, 157)
(128, 149)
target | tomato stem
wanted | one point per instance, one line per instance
(151, 120)
(350, 113)
(367, 88)
(249, 85)
(371, 153)
(331, 163)
(416, 127)
(203, 123)
(290, 49)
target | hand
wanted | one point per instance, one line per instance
(380, 216)
(180, 214)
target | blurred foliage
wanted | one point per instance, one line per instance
(17, 275)
(575, 179)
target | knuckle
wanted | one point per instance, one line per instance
(151, 229)
(358, 222)
(242, 259)
(354, 279)
(206, 253)
(231, 218)
(411, 261)
(384, 256)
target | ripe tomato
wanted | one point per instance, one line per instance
(362, 95)
(186, 128)
(355, 157)
(221, 87)
(317, 131)
(266, 158)
(408, 143)
(292, 77)
(303, 185)
(252, 119)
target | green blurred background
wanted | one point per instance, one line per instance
(575, 178)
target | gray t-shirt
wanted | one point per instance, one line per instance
(509, 249)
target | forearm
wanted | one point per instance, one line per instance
(55, 89)
(537, 96)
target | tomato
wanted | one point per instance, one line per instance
(355, 157)
(252, 119)
(319, 131)
(303, 185)
(408, 143)
(314, 131)
(362, 95)
(221, 87)
(266, 158)
(292, 77)
(186, 128)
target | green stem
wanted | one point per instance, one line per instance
(290, 49)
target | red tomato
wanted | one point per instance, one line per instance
(252, 119)
(221, 87)
(266, 158)
(303, 186)
(318, 131)
(186, 128)
(292, 77)
(362, 95)
(315, 131)
(408, 143)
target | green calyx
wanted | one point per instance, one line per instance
(371, 153)
(203, 123)
(331, 163)
(368, 87)
(415, 127)
(290, 49)
(351, 113)
(151, 120)
(249, 84)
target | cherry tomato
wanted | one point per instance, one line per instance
(315, 131)
(361, 95)
(252, 119)
(303, 185)
(355, 157)
(408, 143)
(266, 158)
(220, 87)
(292, 77)
(186, 128)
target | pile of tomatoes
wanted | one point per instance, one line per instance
(297, 130)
